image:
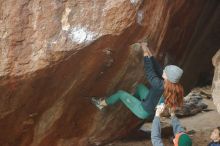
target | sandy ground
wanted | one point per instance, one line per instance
(202, 124)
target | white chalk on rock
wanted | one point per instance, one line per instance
(81, 34)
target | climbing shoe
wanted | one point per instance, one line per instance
(97, 103)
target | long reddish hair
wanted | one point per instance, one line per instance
(173, 94)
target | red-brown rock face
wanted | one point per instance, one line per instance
(56, 54)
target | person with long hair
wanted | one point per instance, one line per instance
(164, 88)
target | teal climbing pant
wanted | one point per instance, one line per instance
(132, 102)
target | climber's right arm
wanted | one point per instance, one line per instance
(153, 78)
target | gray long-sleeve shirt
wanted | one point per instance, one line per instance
(156, 130)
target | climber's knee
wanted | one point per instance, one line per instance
(122, 93)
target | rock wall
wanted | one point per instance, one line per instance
(56, 54)
(192, 44)
(216, 81)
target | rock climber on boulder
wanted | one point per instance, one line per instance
(164, 88)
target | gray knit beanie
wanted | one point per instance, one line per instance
(173, 73)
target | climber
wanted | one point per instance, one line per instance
(215, 137)
(181, 138)
(165, 87)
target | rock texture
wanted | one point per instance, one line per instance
(201, 47)
(56, 54)
(216, 81)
